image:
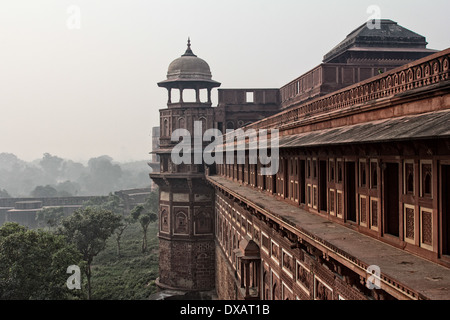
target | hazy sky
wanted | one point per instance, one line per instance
(78, 78)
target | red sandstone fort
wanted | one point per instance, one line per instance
(363, 184)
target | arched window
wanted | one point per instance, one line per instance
(204, 124)
(427, 178)
(410, 182)
(332, 171)
(314, 169)
(427, 184)
(340, 173)
(362, 166)
(181, 223)
(166, 128)
(164, 163)
(181, 123)
(175, 96)
(409, 177)
(374, 175)
(230, 125)
(164, 221)
(203, 223)
(189, 95)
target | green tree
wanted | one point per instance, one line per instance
(88, 229)
(103, 176)
(144, 218)
(44, 192)
(33, 264)
(4, 194)
(111, 202)
(50, 217)
(152, 202)
(146, 214)
(124, 224)
(51, 165)
(67, 187)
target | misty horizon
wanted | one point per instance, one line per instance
(83, 161)
(53, 176)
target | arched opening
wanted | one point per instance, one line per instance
(181, 123)
(189, 95)
(204, 95)
(427, 179)
(427, 184)
(166, 132)
(214, 99)
(181, 225)
(410, 183)
(175, 95)
(374, 177)
(204, 124)
(203, 223)
(230, 125)
(164, 221)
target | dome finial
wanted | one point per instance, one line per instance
(189, 50)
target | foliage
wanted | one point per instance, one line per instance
(51, 165)
(67, 189)
(146, 214)
(100, 176)
(152, 202)
(96, 201)
(33, 264)
(44, 192)
(118, 233)
(50, 217)
(49, 191)
(88, 229)
(112, 202)
(4, 194)
(132, 275)
(95, 235)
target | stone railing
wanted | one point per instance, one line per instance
(418, 74)
(302, 85)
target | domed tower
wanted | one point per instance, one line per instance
(189, 72)
(186, 213)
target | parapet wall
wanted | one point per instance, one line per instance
(23, 210)
(46, 202)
